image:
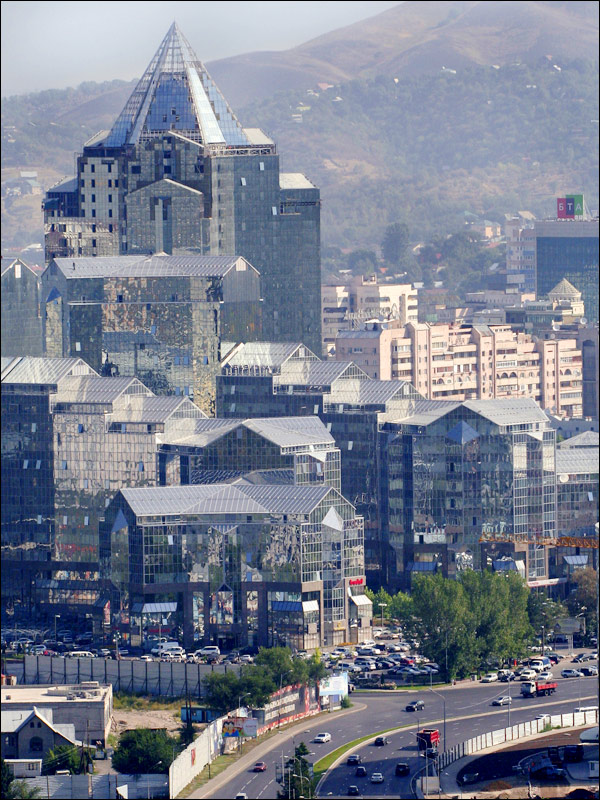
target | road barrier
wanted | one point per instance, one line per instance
(160, 678)
(512, 734)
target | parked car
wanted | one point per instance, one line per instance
(549, 772)
(571, 673)
(416, 705)
(377, 777)
(402, 768)
(353, 760)
(503, 700)
(246, 659)
(589, 671)
(322, 738)
(146, 658)
(490, 677)
(260, 766)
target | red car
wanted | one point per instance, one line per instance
(260, 766)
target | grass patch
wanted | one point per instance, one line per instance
(325, 763)
(134, 702)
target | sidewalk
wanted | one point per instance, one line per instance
(260, 751)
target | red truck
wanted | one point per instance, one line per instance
(537, 688)
(428, 737)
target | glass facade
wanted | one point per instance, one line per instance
(573, 257)
(254, 577)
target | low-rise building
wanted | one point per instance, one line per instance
(85, 708)
(29, 733)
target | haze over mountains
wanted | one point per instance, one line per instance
(435, 108)
(416, 38)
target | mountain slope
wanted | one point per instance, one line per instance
(416, 38)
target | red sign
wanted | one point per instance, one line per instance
(356, 581)
(561, 207)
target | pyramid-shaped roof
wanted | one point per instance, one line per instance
(177, 93)
(565, 288)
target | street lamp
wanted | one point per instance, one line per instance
(443, 699)
(56, 616)
(287, 672)
(382, 606)
(240, 698)
(303, 778)
(543, 641)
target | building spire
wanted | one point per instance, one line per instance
(176, 93)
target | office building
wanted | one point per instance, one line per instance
(457, 471)
(241, 564)
(21, 317)
(458, 362)
(360, 298)
(520, 254)
(177, 173)
(568, 248)
(159, 318)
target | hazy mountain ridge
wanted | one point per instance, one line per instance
(417, 38)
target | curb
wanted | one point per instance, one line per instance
(214, 784)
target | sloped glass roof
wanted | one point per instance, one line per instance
(176, 93)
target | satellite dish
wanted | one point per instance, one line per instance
(555, 326)
(583, 321)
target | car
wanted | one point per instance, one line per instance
(209, 650)
(146, 658)
(507, 677)
(543, 717)
(549, 772)
(503, 700)
(589, 671)
(546, 675)
(528, 675)
(429, 670)
(384, 663)
(353, 791)
(260, 766)
(416, 705)
(241, 796)
(431, 752)
(246, 659)
(490, 677)
(361, 772)
(579, 658)
(402, 768)
(353, 760)
(322, 738)
(380, 741)
(377, 777)
(571, 673)
(368, 643)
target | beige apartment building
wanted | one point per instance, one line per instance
(347, 305)
(483, 362)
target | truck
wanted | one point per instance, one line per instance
(538, 688)
(427, 738)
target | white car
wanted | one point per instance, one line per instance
(571, 673)
(546, 675)
(504, 700)
(377, 777)
(146, 658)
(544, 717)
(322, 738)
(528, 675)
(490, 677)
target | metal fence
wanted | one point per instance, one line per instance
(505, 735)
(100, 787)
(160, 678)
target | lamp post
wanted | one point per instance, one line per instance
(543, 641)
(56, 616)
(303, 778)
(443, 699)
(382, 606)
(287, 672)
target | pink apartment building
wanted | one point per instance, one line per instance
(483, 362)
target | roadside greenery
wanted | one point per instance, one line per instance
(297, 780)
(273, 667)
(144, 751)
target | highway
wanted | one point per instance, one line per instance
(468, 712)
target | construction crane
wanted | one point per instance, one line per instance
(547, 541)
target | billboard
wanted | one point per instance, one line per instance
(569, 207)
(336, 685)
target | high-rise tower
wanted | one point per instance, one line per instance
(178, 173)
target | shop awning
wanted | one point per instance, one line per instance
(576, 561)
(154, 608)
(310, 605)
(360, 600)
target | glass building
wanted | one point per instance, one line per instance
(568, 249)
(178, 173)
(459, 471)
(239, 565)
(21, 319)
(159, 318)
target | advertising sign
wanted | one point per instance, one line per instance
(334, 685)
(569, 207)
(250, 727)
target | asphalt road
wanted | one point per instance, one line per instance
(468, 713)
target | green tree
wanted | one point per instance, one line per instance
(19, 790)
(442, 610)
(66, 757)
(362, 261)
(222, 691)
(259, 684)
(543, 611)
(297, 780)
(402, 608)
(6, 778)
(585, 598)
(380, 598)
(395, 242)
(144, 752)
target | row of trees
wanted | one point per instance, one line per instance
(471, 623)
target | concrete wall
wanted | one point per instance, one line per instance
(195, 757)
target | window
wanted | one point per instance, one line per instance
(93, 198)
(38, 464)
(119, 298)
(78, 347)
(86, 521)
(92, 168)
(34, 427)
(261, 166)
(274, 210)
(39, 519)
(65, 520)
(141, 466)
(63, 465)
(243, 181)
(26, 463)
(36, 744)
